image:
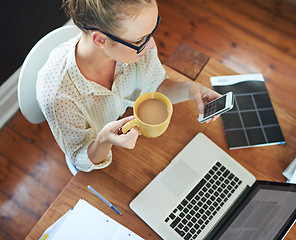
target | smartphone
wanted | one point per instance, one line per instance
(217, 107)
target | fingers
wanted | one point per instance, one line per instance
(126, 119)
(131, 138)
(111, 134)
(127, 140)
(213, 119)
(118, 124)
(200, 107)
(203, 95)
(212, 95)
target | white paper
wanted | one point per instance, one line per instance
(233, 79)
(290, 170)
(87, 222)
(51, 230)
(293, 178)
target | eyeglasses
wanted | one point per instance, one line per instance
(116, 39)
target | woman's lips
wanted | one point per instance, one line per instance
(141, 55)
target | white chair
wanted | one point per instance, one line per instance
(36, 58)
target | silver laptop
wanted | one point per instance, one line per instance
(205, 194)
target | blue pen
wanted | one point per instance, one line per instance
(103, 199)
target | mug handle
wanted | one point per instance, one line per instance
(126, 127)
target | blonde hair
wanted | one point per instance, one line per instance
(105, 15)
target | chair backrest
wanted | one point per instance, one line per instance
(34, 61)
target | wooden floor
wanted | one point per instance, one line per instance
(249, 36)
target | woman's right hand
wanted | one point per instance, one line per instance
(111, 134)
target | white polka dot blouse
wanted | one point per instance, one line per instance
(76, 109)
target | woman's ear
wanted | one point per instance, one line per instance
(98, 39)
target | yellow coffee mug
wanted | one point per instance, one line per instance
(145, 129)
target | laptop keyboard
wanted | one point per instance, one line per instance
(197, 209)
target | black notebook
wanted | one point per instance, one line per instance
(252, 121)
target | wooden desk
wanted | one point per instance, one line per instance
(132, 170)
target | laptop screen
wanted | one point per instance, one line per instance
(267, 212)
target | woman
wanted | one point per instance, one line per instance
(89, 81)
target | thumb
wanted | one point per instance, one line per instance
(200, 107)
(197, 97)
(122, 123)
(200, 104)
(116, 125)
(125, 120)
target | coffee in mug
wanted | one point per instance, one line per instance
(153, 112)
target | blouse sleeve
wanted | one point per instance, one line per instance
(70, 129)
(74, 134)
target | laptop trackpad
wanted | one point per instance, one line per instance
(177, 177)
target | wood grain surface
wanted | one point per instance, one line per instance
(132, 170)
(248, 36)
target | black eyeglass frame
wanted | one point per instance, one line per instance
(116, 39)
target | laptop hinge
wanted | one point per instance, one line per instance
(226, 217)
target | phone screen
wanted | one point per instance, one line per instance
(214, 106)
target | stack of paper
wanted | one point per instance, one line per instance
(290, 172)
(87, 222)
(252, 122)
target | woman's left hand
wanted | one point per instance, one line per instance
(202, 95)
(188, 90)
